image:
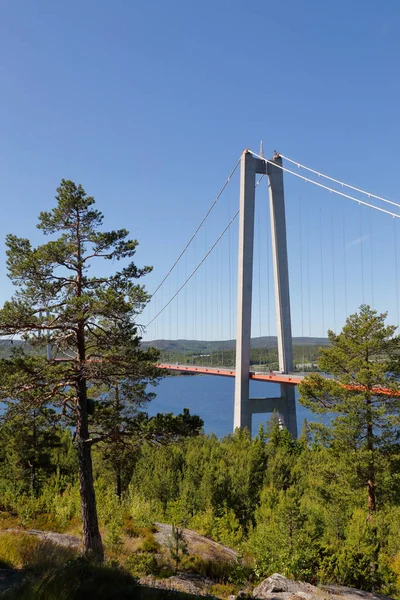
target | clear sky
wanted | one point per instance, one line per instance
(149, 105)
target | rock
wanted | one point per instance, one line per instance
(197, 544)
(190, 584)
(60, 539)
(277, 587)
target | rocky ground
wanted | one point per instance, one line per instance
(277, 587)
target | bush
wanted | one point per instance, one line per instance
(220, 571)
(142, 563)
(150, 543)
(144, 512)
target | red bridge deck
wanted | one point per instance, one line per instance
(225, 372)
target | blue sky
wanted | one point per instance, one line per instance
(149, 106)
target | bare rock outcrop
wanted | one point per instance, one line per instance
(278, 587)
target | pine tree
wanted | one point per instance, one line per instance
(177, 545)
(363, 393)
(27, 440)
(88, 320)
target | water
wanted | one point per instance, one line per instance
(212, 399)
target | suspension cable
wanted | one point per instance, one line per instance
(345, 263)
(196, 269)
(396, 271)
(372, 260)
(322, 274)
(199, 226)
(308, 269)
(259, 278)
(301, 280)
(342, 183)
(325, 187)
(333, 275)
(362, 256)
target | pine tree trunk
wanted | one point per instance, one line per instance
(371, 497)
(118, 484)
(92, 544)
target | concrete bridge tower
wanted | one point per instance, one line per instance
(245, 407)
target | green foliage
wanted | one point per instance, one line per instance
(296, 507)
(219, 570)
(363, 393)
(142, 563)
(88, 319)
(177, 545)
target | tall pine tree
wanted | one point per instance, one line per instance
(363, 395)
(88, 319)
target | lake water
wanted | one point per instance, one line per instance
(212, 399)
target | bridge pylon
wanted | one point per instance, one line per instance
(244, 406)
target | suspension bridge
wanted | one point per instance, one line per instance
(311, 249)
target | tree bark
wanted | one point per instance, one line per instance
(118, 483)
(92, 544)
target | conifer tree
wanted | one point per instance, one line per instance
(87, 318)
(363, 393)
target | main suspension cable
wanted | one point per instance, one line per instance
(199, 227)
(342, 183)
(195, 270)
(325, 187)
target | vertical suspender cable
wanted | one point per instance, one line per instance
(218, 324)
(396, 270)
(362, 255)
(372, 258)
(301, 277)
(170, 316)
(269, 252)
(205, 285)
(259, 278)
(177, 302)
(195, 336)
(308, 266)
(345, 264)
(230, 263)
(220, 281)
(333, 275)
(322, 274)
(186, 334)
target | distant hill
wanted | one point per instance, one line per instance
(6, 347)
(206, 347)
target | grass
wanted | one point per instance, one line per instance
(54, 572)
(81, 580)
(23, 551)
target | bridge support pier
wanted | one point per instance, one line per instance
(244, 407)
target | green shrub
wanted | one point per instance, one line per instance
(143, 511)
(142, 563)
(220, 571)
(150, 543)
